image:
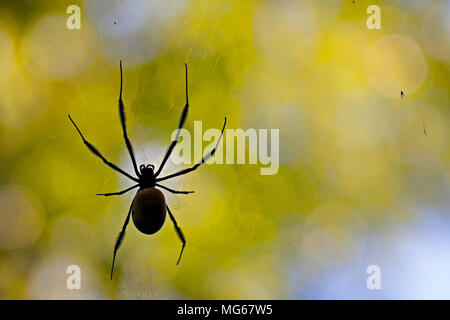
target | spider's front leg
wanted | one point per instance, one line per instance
(205, 158)
(124, 126)
(180, 126)
(98, 154)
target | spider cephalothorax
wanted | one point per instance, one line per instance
(148, 207)
(147, 176)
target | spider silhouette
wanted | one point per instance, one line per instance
(148, 207)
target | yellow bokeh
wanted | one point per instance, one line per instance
(356, 162)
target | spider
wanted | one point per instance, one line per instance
(148, 207)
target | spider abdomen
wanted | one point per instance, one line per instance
(149, 210)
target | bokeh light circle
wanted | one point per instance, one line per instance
(133, 30)
(57, 50)
(285, 26)
(6, 56)
(435, 30)
(23, 100)
(48, 280)
(395, 63)
(21, 218)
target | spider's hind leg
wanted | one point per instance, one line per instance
(120, 238)
(179, 233)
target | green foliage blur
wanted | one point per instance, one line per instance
(355, 158)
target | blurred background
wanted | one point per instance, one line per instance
(364, 174)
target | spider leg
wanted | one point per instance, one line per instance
(203, 160)
(174, 191)
(98, 154)
(120, 238)
(179, 233)
(124, 126)
(180, 126)
(117, 193)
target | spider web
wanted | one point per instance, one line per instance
(147, 148)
